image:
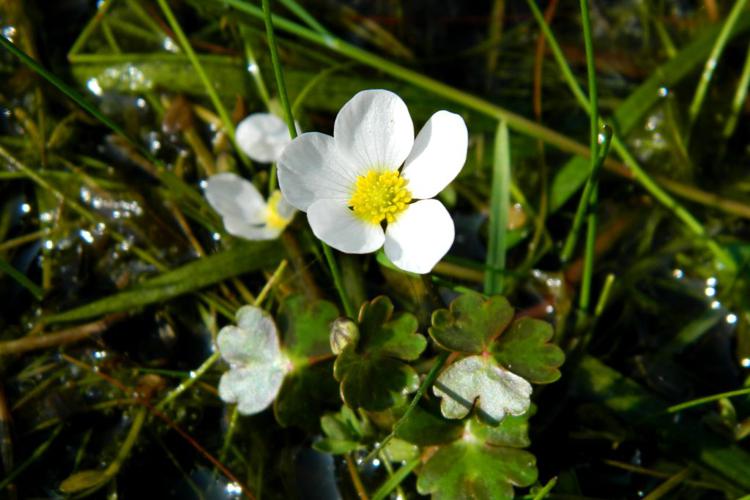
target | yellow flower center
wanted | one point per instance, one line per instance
(380, 196)
(273, 218)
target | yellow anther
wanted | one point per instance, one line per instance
(380, 196)
(273, 218)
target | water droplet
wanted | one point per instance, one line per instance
(711, 281)
(203, 184)
(49, 244)
(86, 236)
(663, 92)
(9, 32)
(710, 291)
(731, 319)
(745, 362)
(25, 208)
(216, 237)
(94, 87)
(169, 45)
(678, 274)
(233, 489)
(715, 304)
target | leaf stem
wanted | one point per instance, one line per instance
(428, 380)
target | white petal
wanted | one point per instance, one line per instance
(263, 136)
(253, 388)
(420, 236)
(238, 227)
(234, 197)
(310, 168)
(335, 224)
(438, 155)
(374, 130)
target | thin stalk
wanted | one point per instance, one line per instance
(254, 68)
(515, 121)
(38, 452)
(21, 279)
(277, 70)
(428, 380)
(305, 16)
(690, 222)
(739, 98)
(713, 60)
(396, 479)
(499, 205)
(708, 399)
(210, 89)
(284, 98)
(588, 264)
(583, 204)
(89, 28)
(541, 494)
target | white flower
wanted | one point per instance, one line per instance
(262, 137)
(349, 184)
(257, 365)
(244, 211)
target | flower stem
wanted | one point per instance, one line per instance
(281, 87)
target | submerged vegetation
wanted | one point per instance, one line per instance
(171, 326)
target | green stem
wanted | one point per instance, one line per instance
(210, 89)
(41, 449)
(739, 98)
(583, 203)
(515, 121)
(284, 98)
(708, 399)
(499, 205)
(397, 478)
(277, 70)
(428, 380)
(187, 384)
(254, 68)
(713, 60)
(588, 264)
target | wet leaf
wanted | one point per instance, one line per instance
(257, 365)
(472, 469)
(525, 349)
(309, 389)
(471, 322)
(372, 373)
(478, 381)
(426, 427)
(305, 326)
(240, 259)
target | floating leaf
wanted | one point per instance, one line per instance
(308, 389)
(485, 464)
(84, 480)
(524, 348)
(478, 379)
(372, 373)
(471, 323)
(257, 365)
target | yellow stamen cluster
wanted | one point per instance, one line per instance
(273, 218)
(380, 196)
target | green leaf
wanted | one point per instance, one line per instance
(525, 350)
(372, 373)
(344, 432)
(309, 389)
(470, 468)
(84, 480)
(305, 395)
(479, 381)
(305, 327)
(513, 431)
(426, 427)
(242, 258)
(471, 323)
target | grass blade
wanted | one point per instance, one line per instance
(499, 205)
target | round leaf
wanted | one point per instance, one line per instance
(471, 322)
(478, 379)
(524, 349)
